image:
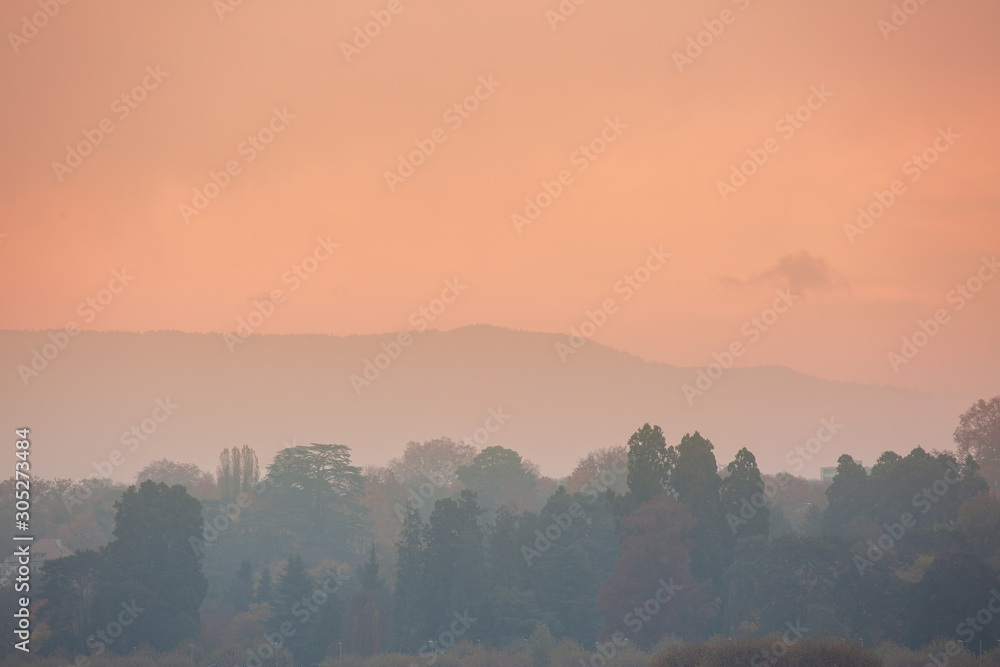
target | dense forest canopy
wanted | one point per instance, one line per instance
(643, 547)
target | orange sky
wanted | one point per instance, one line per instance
(656, 184)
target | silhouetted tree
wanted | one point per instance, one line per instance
(649, 463)
(366, 621)
(170, 473)
(848, 495)
(151, 565)
(310, 608)
(314, 501)
(69, 588)
(695, 481)
(238, 472)
(743, 498)
(955, 587)
(240, 593)
(408, 616)
(499, 476)
(264, 593)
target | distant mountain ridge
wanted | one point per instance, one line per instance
(106, 391)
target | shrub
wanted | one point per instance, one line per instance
(540, 646)
(807, 652)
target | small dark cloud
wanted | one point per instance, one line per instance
(264, 298)
(801, 273)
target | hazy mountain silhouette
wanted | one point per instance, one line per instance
(285, 388)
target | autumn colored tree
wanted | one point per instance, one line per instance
(197, 482)
(600, 470)
(978, 435)
(244, 630)
(64, 509)
(83, 532)
(440, 458)
(652, 591)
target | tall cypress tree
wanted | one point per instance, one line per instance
(503, 554)
(366, 625)
(743, 499)
(696, 482)
(468, 585)
(408, 613)
(240, 593)
(649, 464)
(293, 587)
(563, 577)
(264, 594)
(444, 536)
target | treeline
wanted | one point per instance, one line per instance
(904, 554)
(643, 546)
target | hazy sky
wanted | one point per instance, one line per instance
(280, 71)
